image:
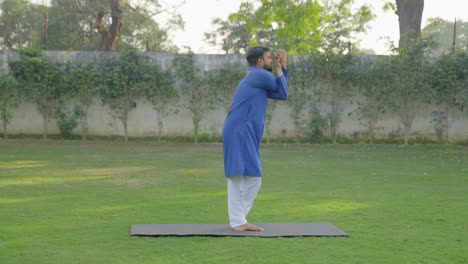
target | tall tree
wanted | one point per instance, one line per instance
(409, 14)
(409, 17)
(109, 34)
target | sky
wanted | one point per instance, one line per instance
(198, 15)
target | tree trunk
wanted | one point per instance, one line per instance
(160, 125)
(84, 131)
(45, 116)
(125, 130)
(409, 17)
(446, 124)
(45, 33)
(271, 106)
(5, 135)
(109, 35)
(334, 112)
(195, 130)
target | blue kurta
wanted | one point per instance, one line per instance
(243, 127)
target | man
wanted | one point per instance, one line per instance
(243, 129)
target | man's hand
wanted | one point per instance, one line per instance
(278, 70)
(283, 55)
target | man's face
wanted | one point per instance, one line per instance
(267, 61)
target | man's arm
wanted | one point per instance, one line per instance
(281, 61)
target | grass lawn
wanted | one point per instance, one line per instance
(74, 202)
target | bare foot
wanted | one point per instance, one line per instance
(247, 227)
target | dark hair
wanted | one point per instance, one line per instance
(255, 53)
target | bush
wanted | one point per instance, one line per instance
(67, 121)
(317, 125)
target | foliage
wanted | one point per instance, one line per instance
(318, 124)
(409, 79)
(67, 120)
(82, 81)
(9, 99)
(41, 81)
(235, 33)
(335, 75)
(442, 33)
(19, 24)
(449, 79)
(161, 93)
(341, 23)
(301, 27)
(224, 81)
(300, 85)
(124, 80)
(72, 24)
(439, 124)
(373, 90)
(198, 98)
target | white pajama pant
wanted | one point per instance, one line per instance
(241, 193)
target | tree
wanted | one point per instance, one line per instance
(373, 87)
(301, 27)
(340, 25)
(448, 79)
(198, 97)
(235, 33)
(124, 81)
(18, 24)
(42, 82)
(292, 25)
(334, 75)
(161, 93)
(300, 97)
(409, 18)
(82, 81)
(271, 107)
(409, 79)
(409, 14)
(224, 81)
(72, 25)
(8, 100)
(447, 36)
(146, 9)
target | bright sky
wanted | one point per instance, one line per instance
(198, 14)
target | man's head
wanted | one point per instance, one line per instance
(260, 56)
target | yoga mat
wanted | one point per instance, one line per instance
(271, 230)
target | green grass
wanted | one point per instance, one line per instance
(74, 202)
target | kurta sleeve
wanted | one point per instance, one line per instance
(281, 91)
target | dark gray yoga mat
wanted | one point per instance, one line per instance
(271, 230)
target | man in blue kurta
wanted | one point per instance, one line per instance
(243, 129)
